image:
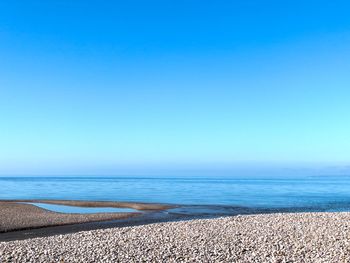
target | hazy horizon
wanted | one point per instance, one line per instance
(267, 171)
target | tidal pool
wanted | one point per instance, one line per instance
(82, 210)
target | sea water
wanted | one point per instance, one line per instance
(323, 193)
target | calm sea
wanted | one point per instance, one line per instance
(331, 193)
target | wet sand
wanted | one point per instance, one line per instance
(16, 216)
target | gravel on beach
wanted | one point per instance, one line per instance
(298, 237)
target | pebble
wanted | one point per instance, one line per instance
(298, 237)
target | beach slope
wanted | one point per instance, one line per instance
(298, 237)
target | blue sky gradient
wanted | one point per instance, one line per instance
(106, 87)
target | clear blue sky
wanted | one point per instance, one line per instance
(105, 86)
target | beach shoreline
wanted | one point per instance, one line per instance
(87, 203)
(20, 215)
(21, 219)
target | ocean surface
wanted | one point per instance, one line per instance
(309, 193)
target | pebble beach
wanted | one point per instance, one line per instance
(294, 237)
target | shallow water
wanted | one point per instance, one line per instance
(311, 192)
(82, 210)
